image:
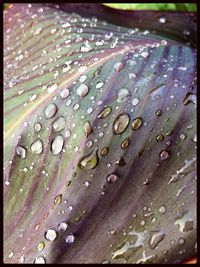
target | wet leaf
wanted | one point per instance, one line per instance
(75, 192)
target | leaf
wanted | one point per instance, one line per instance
(66, 201)
(191, 7)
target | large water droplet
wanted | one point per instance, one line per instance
(82, 90)
(90, 161)
(155, 238)
(59, 124)
(57, 144)
(104, 113)
(50, 235)
(37, 147)
(120, 123)
(21, 152)
(136, 123)
(50, 111)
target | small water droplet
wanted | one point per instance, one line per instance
(52, 87)
(120, 162)
(159, 137)
(181, 241)
(111, 178)
(164, 154)
(83, 78)
(155, 238)
(99, 85)
(158, 112)
(59, 124)
(50, 111)
(39, 260)
(37, 147)
(122, 94)
(118, 66)
(62, 227)
(57, 144)
(86, 48)
(136, 123)
(37, 127)
(120, 123)
(21, 152)
(82, 90)
(87, 128)
(41, 246)
(104, 151)
(162, 20)
(58, 199)
(182, 136)
(125, 143)
(64, 93)
(50, 235)
(70, 239)
(135, 101)
(90, 161)
(162, 209)
(104, 113)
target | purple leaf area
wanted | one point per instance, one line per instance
(99, 138)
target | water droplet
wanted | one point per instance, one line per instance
(125, 143)
(104, 151)
(66, 68)
(182, 136)
(87, 128)
(41, 246)
(52, 87)
(70, 239)
(136, 123)
(99, 85)
(164, 154)
(104, 113)
(90, 161)
(57, 144)
(62, 227)
(86, 48)
(37, 127)
(120, 123)
(37, 147)
(122, 94)
(155, 238)
(83, 78)
(118, 66)
(181, 241)
(50, 111)
(159, 137)
(64, 93)
(82, 69)
(162, 209)
(158, 112)
(39, 260)
(21, 152)
(58, 199)
(162, 20)
(59, 124)
(120, 162)
(82, 90)
(111, 178)
(50, 235)
(135, 101)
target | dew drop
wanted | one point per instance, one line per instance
(104, 151)
(162, 209)
(50, 235)
(83, 78)
(99, 85)
(158, 113)
(136, 123)
(120, 162)
(57, 144)
(135, 101)
(62, 227)
(59, 124)
(162, 20)
(181, 241)
(82, 90)
(21, 152)
(50, 111)
(104, 113)
(164, 154)
(125, 143)
(111, 178)
(155, 238)
(118, 66)
(90, 161)
(52, 87)
(64, 93)
(120, 123)
(66, 67)
(37, 147)
(70, 239)
(58, 199)
(39, 260)
(41, 246)
(122, 94)
(37, 127)
(159, 137)
(87, 128)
